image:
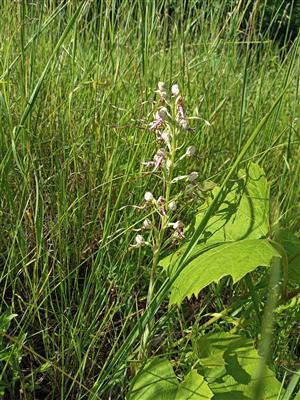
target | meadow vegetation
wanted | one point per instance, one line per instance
(78, 94)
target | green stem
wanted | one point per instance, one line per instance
(254, 296)
(285, 267)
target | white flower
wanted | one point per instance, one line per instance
(172, 205)
(140, 241)
(162, 113)
(183, 124)
(161, 86)
(191, 151)
(165, 136)
(147, 224)
(160, 153)
(178, 235)
(162, 91)
(168, 163)
(193, 176)
(148, 196)
(178, 225)
(175, 90)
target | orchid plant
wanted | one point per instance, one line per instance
(163, 228)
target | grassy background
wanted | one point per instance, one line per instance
(76, 94)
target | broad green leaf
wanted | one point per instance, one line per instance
(156, 380)
(244, 212)
(229, 365)
(291, 245)
(233, 258)
(232, 241)
(194, 387)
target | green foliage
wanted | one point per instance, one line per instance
(291, 246)
(228, 366)
(10, 357)
(229, 363)
(75, 100)
(210, 265)
(157, 380)
(231, 244)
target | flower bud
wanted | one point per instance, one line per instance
(147, 224)
(160, 153)
(193, 176)
(161, 200)
(183, 124)
(165, 136)
(162, 113)
(175, 90)
(178, 225)
(161, 86)
(140, 241)
(172, 205)
(168, 163)
(148, 196)
(191, 151)
(162, 91)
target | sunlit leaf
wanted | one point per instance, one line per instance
(234, 258)
(194, 387)
(244, 212)
(229, 365)
(233, 241)
(156, 380)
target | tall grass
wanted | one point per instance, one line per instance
(76, 84)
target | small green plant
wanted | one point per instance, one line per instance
(10, 358)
